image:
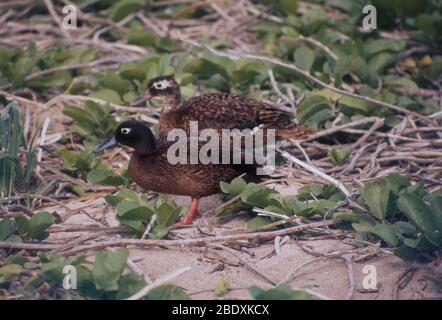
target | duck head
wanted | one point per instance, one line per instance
(133, 134)
(163, 89)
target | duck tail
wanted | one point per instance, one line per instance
(295, 133)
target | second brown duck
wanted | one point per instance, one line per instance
(217, 111)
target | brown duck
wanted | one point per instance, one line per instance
(151, 169)
(217, 111)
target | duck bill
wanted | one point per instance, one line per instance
(109, 143)
(140, 99)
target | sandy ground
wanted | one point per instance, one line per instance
(330, 278)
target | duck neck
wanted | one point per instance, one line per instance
(171, 102)
(146, 146)
(143, 151)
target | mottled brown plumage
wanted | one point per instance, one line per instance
(218, 111)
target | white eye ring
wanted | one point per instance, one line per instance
(162, 84)
(125, 130)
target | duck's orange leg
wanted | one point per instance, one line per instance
(191, 213)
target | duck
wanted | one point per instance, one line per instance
(217, 111)
(150, 168)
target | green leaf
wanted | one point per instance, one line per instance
(249, 73)
(59, 79)
(133, 71)
(22, 224)
(259, 196)
(78, 259)
(224, 186)
(78, 161)
(23, 67)
(403, 228)
(352, 106)
(7, 228)
(289, 7)
(237, 206)
(406, 253)
(128, 285)
(159, 232)
(16, 259)
(222, 286)
(86, 284)
(53, 269)
(376, 195)
(436, 207)
(416, 190)
(167, 213)
(167, 292)
(133, 210)
(304, 58)
(417, 211)
(34, 283)
(421, 243)
(123, 8)
(167, 44)
(9, 272)
(123, 194)
(104, 176)
(376, 46)
(258, 222)
(112, 81)
(136, 225)
(14, 238)
(205, 68)
(108, 95)
(141, 37)
(235, 187)
(396, 182)
(384, 231)
(380, 62)
(78, 114)
(349, 216)
(108, 268)
(38, 224)
(313, 111)
(319, 191)
(69, 158)
(360, 238)
(435, 70)
(339, 155)
(387, 233)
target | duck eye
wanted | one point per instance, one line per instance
(162, 84)
(125, 130)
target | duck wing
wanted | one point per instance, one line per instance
(248, 164)
(229, 111)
